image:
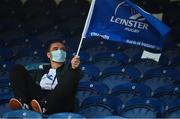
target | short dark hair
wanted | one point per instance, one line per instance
(50, 42)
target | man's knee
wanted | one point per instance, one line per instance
(17, 70)
(18, 67)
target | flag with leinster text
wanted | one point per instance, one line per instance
(123, 21)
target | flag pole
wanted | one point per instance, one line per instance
(88, 19)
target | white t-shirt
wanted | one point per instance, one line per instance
(49, 80)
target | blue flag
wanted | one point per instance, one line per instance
(123, 21)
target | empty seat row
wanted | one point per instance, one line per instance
(136, 108)
(100, 106)
(166, 93)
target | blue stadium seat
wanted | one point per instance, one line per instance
(22, 114)
(171, 54)
(114, 76)
(34, 66)
(113, 117)
(29, 43)
(6, 66)
(89, 44)
(175, 61)
(142, 108)
(26, 55)
(84, 56)
(132, 51)
(146, 64)
(167, 93)
(101, 45)
(38, 25)
(90, 72)
(35, 53)
(6, 96)
(5, 53)
(40, 54)
(72, 43)
(91, 88)
(4, 88)
(100, 106)
(46, 37)
(4, 107)
(28, 61)
(157, 77)
(114, 46)
(72, 27)
(4, 75)
(4, 81)
(178, 68)
(130, 90)
(66, 115)
(107, 59)
(172, 110)
(15, 43)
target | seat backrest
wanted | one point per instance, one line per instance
(90, 72)
(22, 114)
(117, 75)
(172, 110)
(107, 59)
(131, 90)
(100, 106)
(91, 88)
(66, 115)
(142, 108)
(157, 77)
(167, 93)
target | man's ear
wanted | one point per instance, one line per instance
(49, 55)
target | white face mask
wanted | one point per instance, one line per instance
(58, 55)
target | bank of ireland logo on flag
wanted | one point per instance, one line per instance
(123, 21)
